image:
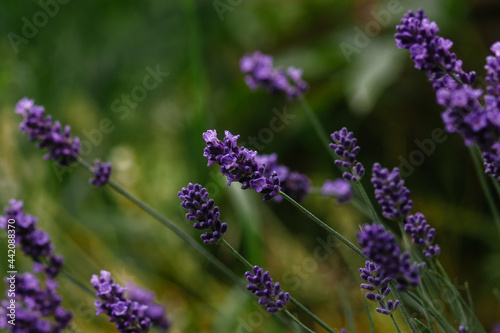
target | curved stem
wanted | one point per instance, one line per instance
(395, 323)
(482, 179)
(304, 327)
(166, 222)
(325, 226)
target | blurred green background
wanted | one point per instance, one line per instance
(82, 59)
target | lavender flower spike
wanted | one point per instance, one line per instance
(195, 200)
(37, 309)
(422, 234)
(345, 148)
(391, 193)
(239, 164)
(261, 73)
(102, 173)
(61, 146)
(378, 288)
(380, 246)
(34, 242)
(270, 293)
(130, 316)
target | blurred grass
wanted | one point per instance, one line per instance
(91, 53)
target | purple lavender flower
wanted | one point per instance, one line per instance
(345, 148)
(378, 287)
(429, 51)
(127, 314)
(422, 234)
(156, 312)
(239, 164)
(462, 329)
(294, 184)
(195, 200)
(391, 193)
(261, 74)
(35, 306)
(33, 242)
(61, 146)
(102, 173)
(380, 246)
(339, 188)
(496, 329)
(271, 296)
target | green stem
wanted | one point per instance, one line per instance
(482, 179)
(325, 226)
(320, 131)
(293, 300)
(166, 222)
(408, 319)
(307, 329)
(395, 323)
(370, 319)
(368, 202)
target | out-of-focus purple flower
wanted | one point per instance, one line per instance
(195, 200)
(429, 51)
(61, 146)
(422, 234)
(34, 242)
(102, 173)
(378, 288)
(390, 192)
(35, 306)
(271, 296)
(127, 314)
(496, 329)
(294, 184)
(343, 330)
(462, 329)
(344, 146)
(380, 246)
(339, 188)
(239, 164)
(261, 74)
(155, 311)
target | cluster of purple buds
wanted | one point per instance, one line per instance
(339, 188)
(34, 242)
(239, 164)
(345, 148)
(294, 184)
(429, 51)
(422, 234)
(155, 311)
(464, 113)
(37, 309)
(261, 74)
(129, 316)
(61, 146)
(271, 296)
(201, 209)
(378, 287)
(390, 192)
(102, 173)
(380, 247)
